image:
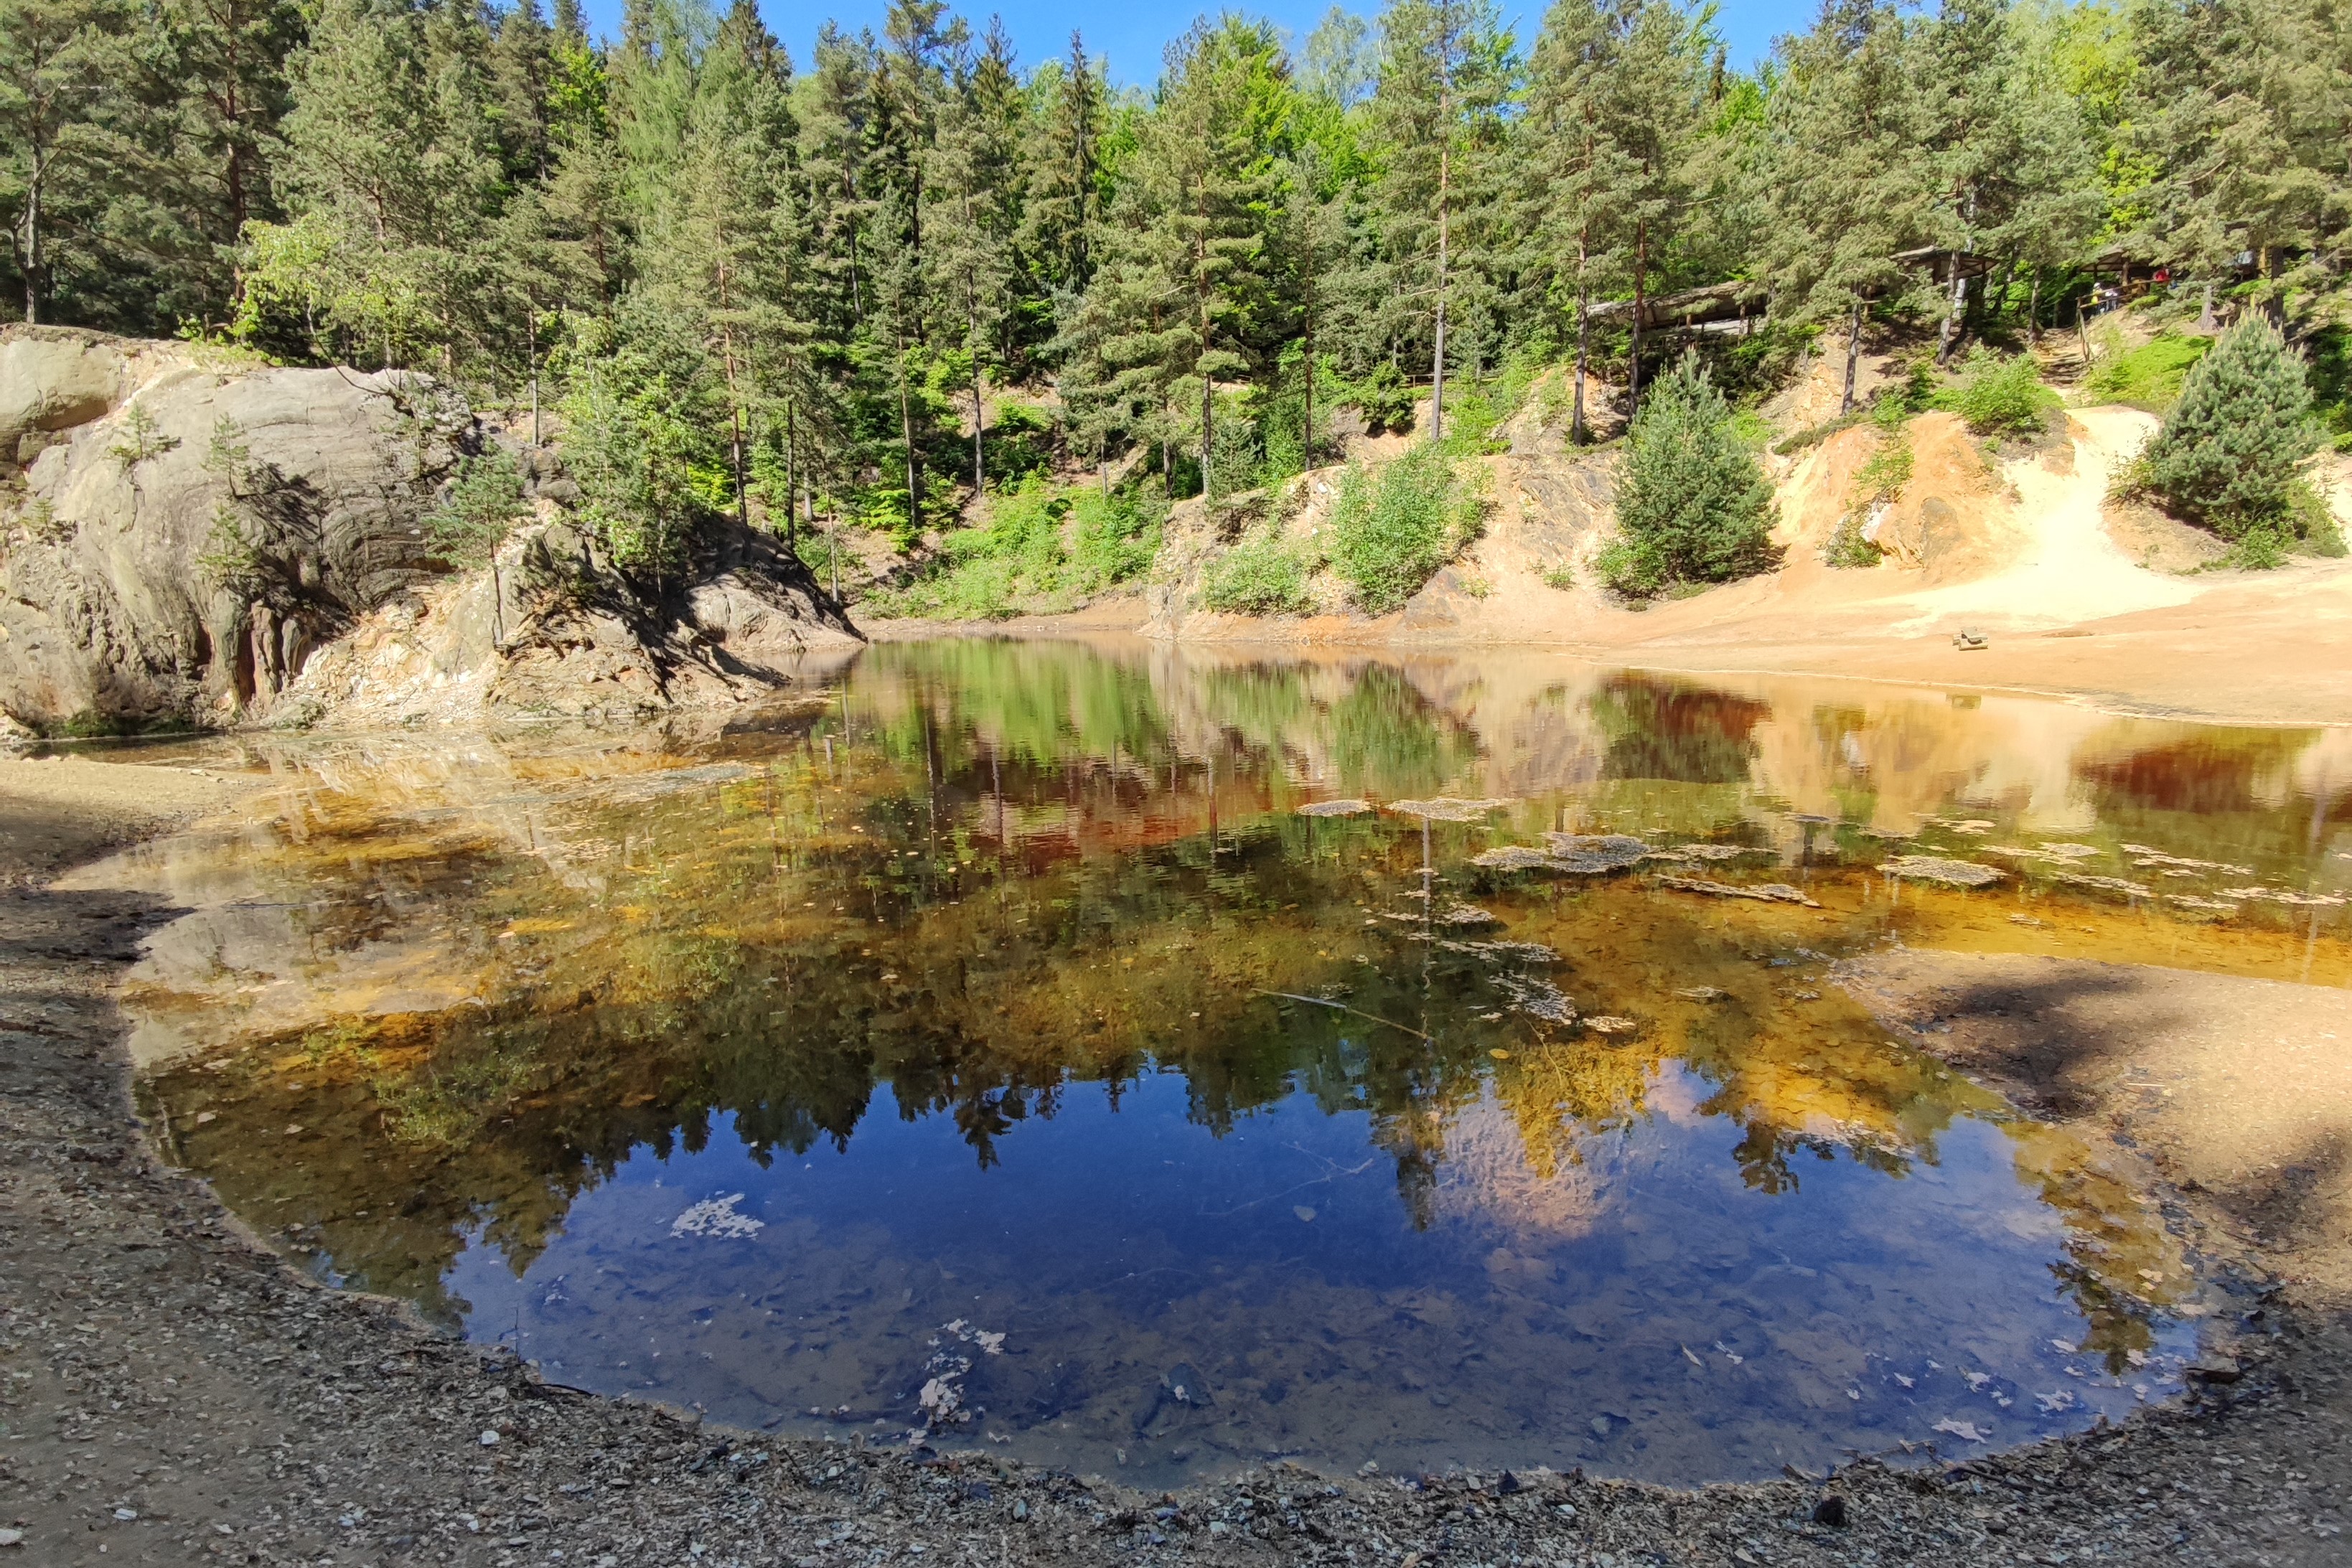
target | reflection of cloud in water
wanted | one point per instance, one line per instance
(1489, 1174)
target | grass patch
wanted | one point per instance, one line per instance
(2001, 395)
(2150, 376)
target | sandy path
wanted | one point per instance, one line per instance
(2066, 569)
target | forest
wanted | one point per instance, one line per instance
(921, 267)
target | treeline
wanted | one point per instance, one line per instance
(760, 287)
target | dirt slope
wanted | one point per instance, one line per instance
(2023, 547)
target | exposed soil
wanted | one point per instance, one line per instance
(171, 1392)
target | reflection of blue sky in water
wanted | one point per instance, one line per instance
(1594, 1319)
(499, 991)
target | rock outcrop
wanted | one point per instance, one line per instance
(191, 537)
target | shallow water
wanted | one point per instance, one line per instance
(1006, 989)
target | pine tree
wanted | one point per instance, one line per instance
(227, 89)
(1693, 504)
(1846, 189)
(59, 62)
(2230, 452)
(1062, 182)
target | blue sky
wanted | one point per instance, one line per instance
(1132, 35)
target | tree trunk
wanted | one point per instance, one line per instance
(1437, 367)
(979, 407)
(1575, 431)
(1853, 355)
(907, 425)
(2205, 322)
(1307, 432)
(2034, 310)
(31, 249)
(791, 480)
(1948, 332)
(1641, 303)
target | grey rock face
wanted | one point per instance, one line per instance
(187, 534)
(189, 530)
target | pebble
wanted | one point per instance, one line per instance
(12, 1538)
(488, 1439)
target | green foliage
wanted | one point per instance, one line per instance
(1389, 533)
(2150, 376)
(481, 503)
(642, 439)
(1264, 574)
(1848, 549)
(2001, 396)
(142, 438)
(230, 560)
(1040, 550)
(1886, 471)
(2229, 455)
(1692, 506)
(1384, 398)
(1562, 577)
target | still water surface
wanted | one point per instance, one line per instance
(1028, 1047)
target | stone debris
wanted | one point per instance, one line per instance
(1536, 998)
(1466, 914)
(1942, 872)
(1690, 852)
(717, 1216)
(2283, 895)
(1968, 1431)
(1447, 809)
(1764, 893)
(2107, 884)
(2071, 851)
(2146, 858)
(1336, 808)
(1514, 857)
(2189, 900)
(1611, 1023)
(1703, 994)
(1595, 855)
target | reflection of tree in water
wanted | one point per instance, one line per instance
(775, 952)
(1668, 729)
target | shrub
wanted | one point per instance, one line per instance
(1848, 550)
(1692, 504)
(1562, 577)
(2001, 395)
(483, 499)
(1884, 474)
(1263, 575)
(2150, 376)
(1390, 534)
(2229, 455)
(1383, 399)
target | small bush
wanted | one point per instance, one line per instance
(1562, 577)
(2150, 376)
(1264, 574)
(1383, 399)
(1390, 534)
(1884, 474)
(2230, 454)
(1848, 550)
(1692, 506)
(142, 438)
(2002, 396)
(483, 499)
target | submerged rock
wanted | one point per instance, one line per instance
(1335, 809)
(1765, 892)
(1446, 808)
(1945, 873)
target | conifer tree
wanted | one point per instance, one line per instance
(1693, 504)
(2228, 453)
(59, 62)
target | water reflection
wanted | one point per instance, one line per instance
(1004, 989)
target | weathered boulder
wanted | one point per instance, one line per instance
(191, 527)
(191, 531)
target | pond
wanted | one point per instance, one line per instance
(1152, 1061)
